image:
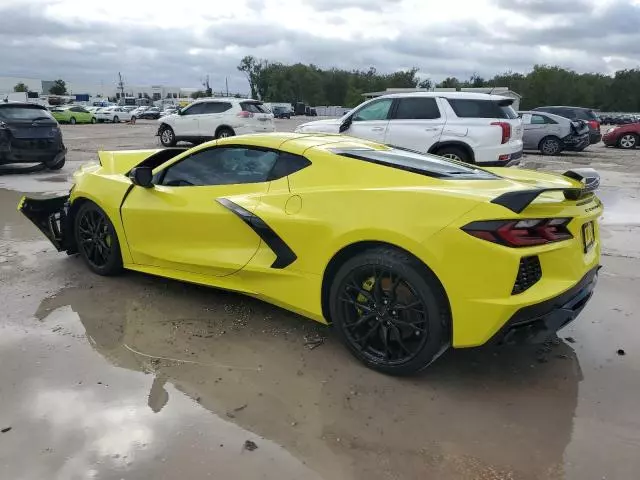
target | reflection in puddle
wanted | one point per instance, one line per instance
(341, 419)
(77, 417)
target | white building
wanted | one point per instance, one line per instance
(102, 89)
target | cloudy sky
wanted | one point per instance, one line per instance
(178, 42)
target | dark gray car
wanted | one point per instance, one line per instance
(551, 134)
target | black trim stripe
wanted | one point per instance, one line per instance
(284, 255)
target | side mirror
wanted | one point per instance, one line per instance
(346, 123)
(142, 177)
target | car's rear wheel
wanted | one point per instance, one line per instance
(224, 132)
(167, 137)
(116, 119)
(72, 120)
(628, 141)
(55, 165)
(550, 146)
(454, 153)
(389, 310)
(97, 240)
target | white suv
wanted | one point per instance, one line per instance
(471, 127)
(215, 118)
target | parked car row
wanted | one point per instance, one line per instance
(623, 119)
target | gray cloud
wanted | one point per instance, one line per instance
(91, 51)
(546, 7)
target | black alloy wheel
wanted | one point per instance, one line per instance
(389, 311)
(97, 240)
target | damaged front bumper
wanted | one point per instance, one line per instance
(51, 216)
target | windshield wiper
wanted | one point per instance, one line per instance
(40, 118)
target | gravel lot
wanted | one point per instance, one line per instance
(139, 377)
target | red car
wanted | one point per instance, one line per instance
(623, 136)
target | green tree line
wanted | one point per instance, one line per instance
(543, 85)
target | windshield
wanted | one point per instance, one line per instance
(24, 113)
(430, 165)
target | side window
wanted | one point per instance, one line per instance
(566, 113)
(194, 109)
(287, 164)
(215, 107)
(221, 166)
(75, 109)
(378, 110)
(416, 108)
(538, 119)
(465, 108)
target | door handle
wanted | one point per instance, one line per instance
(430, 129)
(377, 129)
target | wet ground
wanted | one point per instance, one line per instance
(137, 377)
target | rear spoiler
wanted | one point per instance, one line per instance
(518, 200)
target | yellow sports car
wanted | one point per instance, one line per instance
(404, 254)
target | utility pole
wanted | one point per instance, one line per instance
(121, 88)
(226, 82)
(207, 87)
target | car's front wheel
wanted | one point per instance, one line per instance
(72, 120)
(390, 311)
(97, 240)
(116, 119)
(167, 136)
(93, 120)
(628, 141)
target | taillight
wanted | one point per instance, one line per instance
(521, 233)
(595, 125)
(506, 130)
(244, 114)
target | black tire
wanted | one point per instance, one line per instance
(93, 120)
(454, 153)
(550, 146)
(72, 120)
(56, 166)
(116, 119)
(97, 240)
(224, 132)
(167, 137)
(628, 141)
(367, 319)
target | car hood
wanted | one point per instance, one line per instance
(330, 125)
